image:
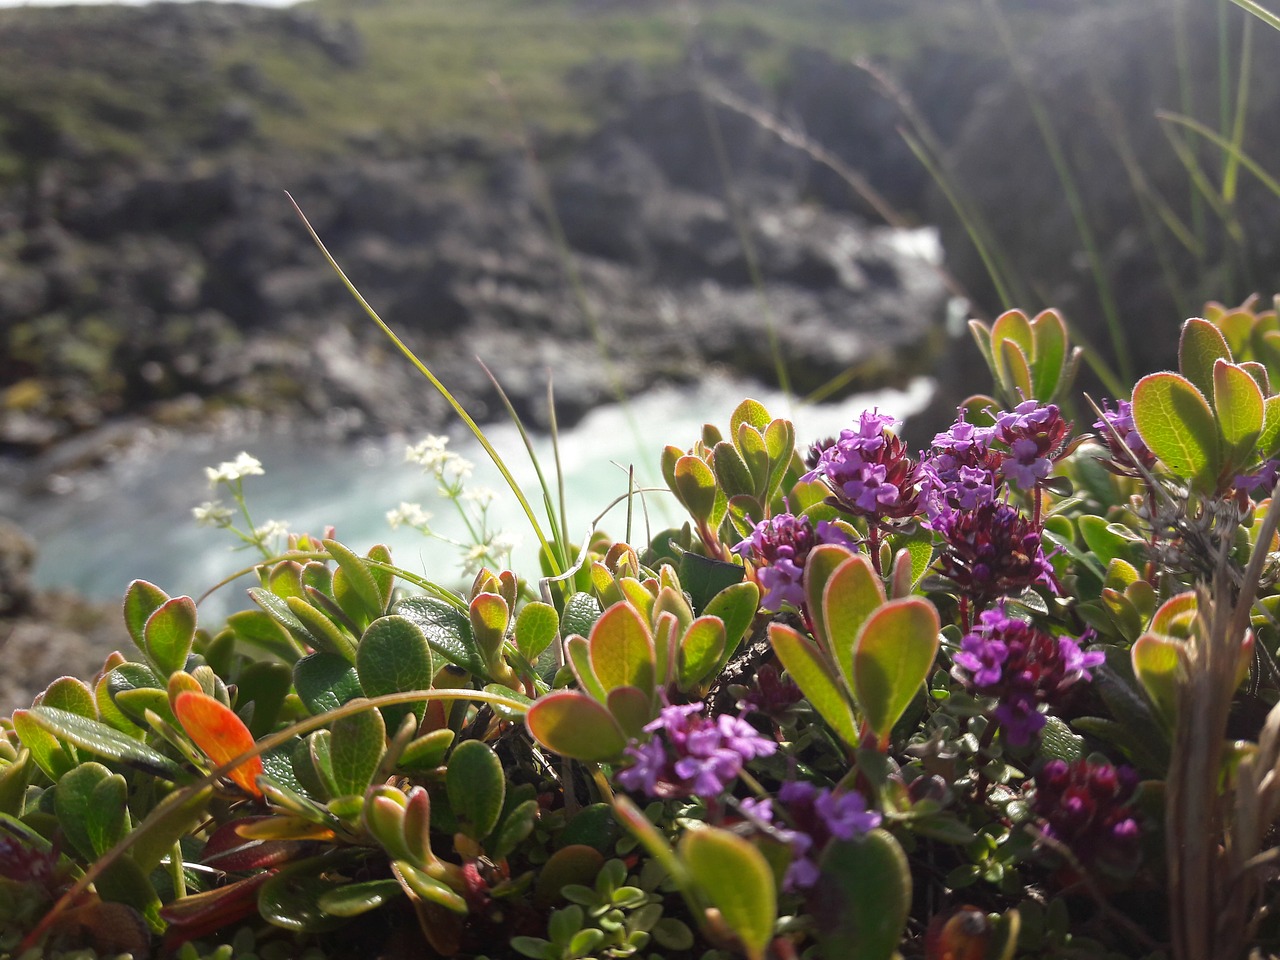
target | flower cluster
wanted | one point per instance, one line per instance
(778, 548)
(1023, 667)
(1130, 446)
(992, 551)
(813, 818)
(1085, 805)
(960, 472)
(692, 755)
(868, 470)
(1036, 437)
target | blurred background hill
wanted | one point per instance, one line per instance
(613, 194)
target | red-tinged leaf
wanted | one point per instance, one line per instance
(1237, 400)
(1269, 438)
(734, 876)
(1173, 617)
(1199, 348)
(1175, 422)
(221, 735)
(893, 656)
(1156, 662)
(229, 851)
(576, 726)
(1048, 354)
(852, 595)
(621, 646)
(812, 674)
(1014, 368)
(204, 913)
(632, 708)
(141, 600)
(818, 569)
(695, 487)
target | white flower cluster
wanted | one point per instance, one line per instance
(229, 471)
(212, 513)
(445, 465)
(409, 515)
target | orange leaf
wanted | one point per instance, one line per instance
(220, 734)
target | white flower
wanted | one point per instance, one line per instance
(480, 496)
(270, 530)
(475, 558)
(212, 513)
(230, 471)
(429, 452)
(408, 515)
(502, 544)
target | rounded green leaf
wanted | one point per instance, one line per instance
(324, 632)
(73, 802)
(736, 879)
(700, 650)
(325, 681)
(1176, 424)
(477, 786)
(353, 899)
(1199, 348)
(1048, 354)
(1015, 370)
(356, 747)
(621, 648)
(489, 615)
(141, 600)
(357, 574)
(1237, 400)
(447, 629)
(892, 657)
(695, 487)
(394, 656)
(427, 751)
(821, 563)
(72, 695)
(536, 628)
(1156, 661)
(574, 725)
(169, 632)
(291, 899)
(809, 669)
(749, 411)
(852, 595)
(862, 898)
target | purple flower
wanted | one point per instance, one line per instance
(868, 471)
(991, 551)
(778, 548)
(1085, 805)
(960, 470)
(692, 755)
(1035, 436)
(1263, 479)
(1022, 667)
(1131, 445)
(815, 817)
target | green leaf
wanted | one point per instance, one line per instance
(892, 657)
(704, 579)
(73, 802)
(489, 616)
(852, 595)
(175, 817)
(477, 786)
(1108, 542)
(621, 648)
(700, 651)
(447, 629)
(141, 600)
(425, 887)
(574, 725)
(1057, 742)
(632, 708)
(259, 629)
(536, 628)
(809, 669)
(736, 879)
(749, 411)
(325, 681)
(265, 684)
(731, 470)
(101, 740)
(426, 752)
(394, 656)
(323, 631)
(1200, 347)
(581, 611)
(695, 487)
(1015, 370)
(72, 695)
(516, 826)
(1156, 661)
(353, 899)
(822, 562)
(1176, 424)
(1269, 438)
(862, 899)
(356, 746)
(291, 899)
(278, 610)
(360, 579)
(736, 606)
(1238, 402)
(1048, 353)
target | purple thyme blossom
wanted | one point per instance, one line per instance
(1085, 805)
(1263, 479)
(991, 551)
(816, 817)
(1036, 437)
(778, 548)
(1022, 667)
(867, 470)
(1121, 419)
(692, 755)
(960, 470)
